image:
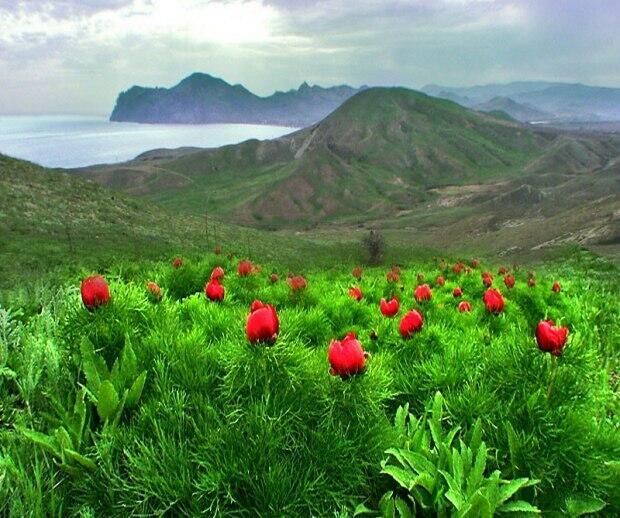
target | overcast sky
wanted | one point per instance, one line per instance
(75, 56)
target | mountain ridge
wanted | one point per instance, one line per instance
(201, 98)
(563, 101)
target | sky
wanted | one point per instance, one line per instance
(75, 56)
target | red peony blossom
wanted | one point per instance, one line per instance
(389, 309)
(487, 279)
(262, 324)
(95, 292)
(423, 292)
(244, 268)
(356, 293)
(346, 357)
(396, 269)
(392, 276)
(475, 263)
(556, 288)
(154, 290)
(411, 323)
(357, 273)
(550, 338)
(493, 301)
(464, 306)
(458, 292)
(214, 290)
(458, 268)
(217, 273)
(440, 281)
(509, 281)
(217, 250)
(531, 282)
(502, 270)
(177, 262)
(297, 283)
(274, 278)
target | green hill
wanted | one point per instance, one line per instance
(376, 154)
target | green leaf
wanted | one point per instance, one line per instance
(45, 441)
(386, 505)
(63, 438)
(136, 390)
(107, 401)
(400, 420)
(418, 462)
(509, 489)
(518, 506)
(583, 504)
(403, 508)
(80, 459)
(361, 509)
(400, 475)
(476, 475)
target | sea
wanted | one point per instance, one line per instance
(69, 141)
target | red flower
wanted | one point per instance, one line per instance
(217, 273)
(177, 262)
(356, 293)
(423, 292)
(357, 273)
(440, 281)
(346, 357)
(556, 287)
(214, 290)
(475, 263)
(396, 269)
(458, 292)
(411, 323)
(95, 292)
(502, 270)
(274, 277)
(509, 281)
(551, 339)
(244, 268)
(154, 290)
(487, 279)
(531, 282)
(262, 324)
(389, 309)
(493, 300)
(297, 283)
(392, 276)
(464, 306)
(458, 268)
(217, 250)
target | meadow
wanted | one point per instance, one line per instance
(158, 403)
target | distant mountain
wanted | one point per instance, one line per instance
(201, 98)
(517, 111)
(567, 102)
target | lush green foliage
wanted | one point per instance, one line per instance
(148, 408)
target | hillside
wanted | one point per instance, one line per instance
(378, 153)
(568, 102)
(520, 112)
(201, 99)
(394, 157)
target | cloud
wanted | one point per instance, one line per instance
(70, 55)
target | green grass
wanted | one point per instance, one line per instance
(222, 427)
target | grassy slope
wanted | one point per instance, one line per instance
(381, 149)
(223, 427)
(51, 222)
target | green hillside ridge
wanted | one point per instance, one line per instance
(379, 151)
